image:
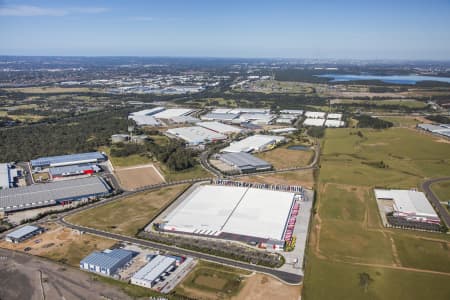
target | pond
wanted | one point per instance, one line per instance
(396, 79)
(298, 147)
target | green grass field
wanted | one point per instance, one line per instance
(196, 171)
(281, 157)
(442, 190)
(127, 161)
(402, 121)
(409, 103)
(128, 215)
(347, 236)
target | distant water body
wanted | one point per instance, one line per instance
(397, 79)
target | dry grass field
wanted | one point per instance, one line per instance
(304, 178)
(131, 178)
(61, 244)
(282, 157)
(128, 215)
(261, 286)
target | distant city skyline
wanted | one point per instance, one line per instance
(405, 30)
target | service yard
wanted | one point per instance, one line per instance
(128, 215)
(131, 178)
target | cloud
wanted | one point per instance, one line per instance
(33, 11)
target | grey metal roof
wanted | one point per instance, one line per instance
(220, 116)
(76, 169)
(243, 159)
(23, 231)
(154, 268)
(48, 193)
(107, 260)
(67, 159)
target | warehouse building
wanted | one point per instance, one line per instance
(23, 233)
(87, 169)
(67, 160)
(245, 162)
(254, 143)
(224, 117)
(183, 120)
(285, 130)
(196, 135)
(313, 122)
(220, 127)
(8, 176)
(334, 116)
(296, 112)
(315, 115)
(106, 262)
(152, 272)
(173, 112)
(439, 129)
(410, 205)
(257, 118)
(39, 195)
(146, 117)
(231, 212)
(333, 123)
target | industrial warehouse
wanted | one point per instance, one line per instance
(23, 233)
(409, 204)
(237, 211)
(151, 273)
(67, 160)
(196, 135)
(47, 194)
(106, 262)
(254, 143)
(244, 162)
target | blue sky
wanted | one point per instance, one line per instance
(362, 29)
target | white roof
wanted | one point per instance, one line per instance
(315, 114)
(22, 232)
(220, 127)
(253, 143)
(334, 116)
(145, 120)
(261, 118)
(313, 122)
(407, 201)
(206, 208)
(212, 209)
(292, 111)
(284, 130)
(151, 271)
(333, 123)
(261, 213)
(173, 112)
(249, 110)
(221, 110)
(4, 176)
(148, 112)
(196, 134)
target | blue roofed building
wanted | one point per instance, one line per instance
(67, 160)
(106, 262)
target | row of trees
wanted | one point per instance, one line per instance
(365, 121)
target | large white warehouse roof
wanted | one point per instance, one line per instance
(315, 114)
(173, 112)
(215, 209)
(253, 143)
(195, 135)
(220, 127)
(407, 201)
(313, 122)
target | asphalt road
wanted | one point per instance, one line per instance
(285, 276)
(442, 211)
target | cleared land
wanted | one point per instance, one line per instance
(61, 244)
(350, 254)
(28, 277)
(126, 161)
(260, 286)
(212, 281)
(304, 178)
(196, 171)
(138, 176)
(128, 215)
(282, 157)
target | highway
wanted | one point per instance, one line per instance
(442, 211)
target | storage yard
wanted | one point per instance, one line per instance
(135, 177)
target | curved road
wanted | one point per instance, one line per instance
(442, 211)
(289, 278)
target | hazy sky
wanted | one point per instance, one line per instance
(375, 29)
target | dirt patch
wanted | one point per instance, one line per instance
(138, 176)
(61, 244)
(262, 286)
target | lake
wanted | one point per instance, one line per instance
(298, 147)
(397, 79)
